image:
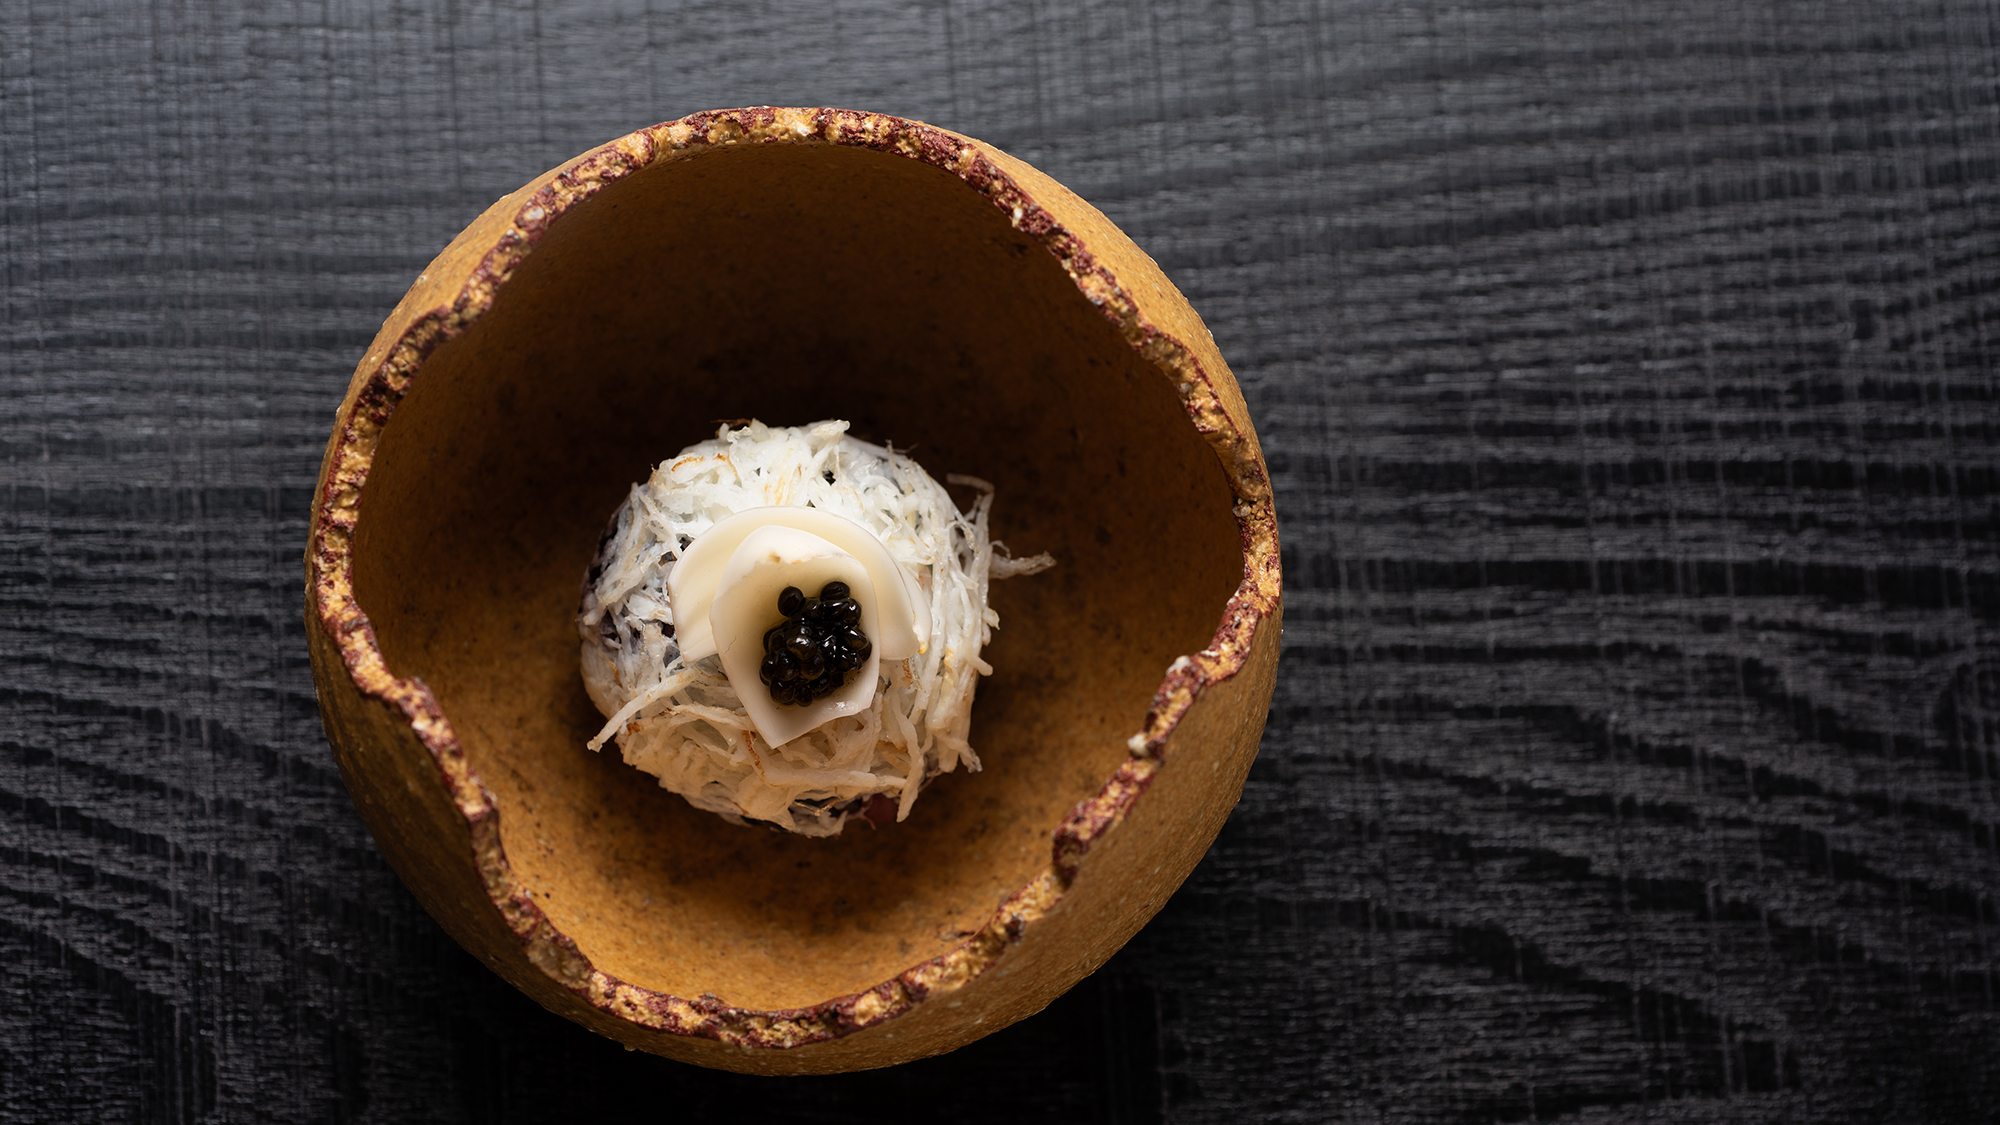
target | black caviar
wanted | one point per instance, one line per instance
(809, 656)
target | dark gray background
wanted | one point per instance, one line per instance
(1628, 379)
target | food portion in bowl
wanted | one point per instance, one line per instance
(783, 624)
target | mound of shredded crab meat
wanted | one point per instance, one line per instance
(684, 722)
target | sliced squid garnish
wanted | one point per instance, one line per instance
(902, 613)
(725, 588)
(746, 607)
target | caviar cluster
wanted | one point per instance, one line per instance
(809, 656)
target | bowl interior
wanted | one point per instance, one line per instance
(787, 283)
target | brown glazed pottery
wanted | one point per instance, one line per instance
(793, 265)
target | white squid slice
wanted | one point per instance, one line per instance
(902, 614)
(746, 605)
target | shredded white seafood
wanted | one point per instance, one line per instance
(685, 724)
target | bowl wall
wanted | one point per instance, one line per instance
(793, 265)
(788, 284)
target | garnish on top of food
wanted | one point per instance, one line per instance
(784, 623)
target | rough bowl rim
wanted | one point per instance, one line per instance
(368, 410)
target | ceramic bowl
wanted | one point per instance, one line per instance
(792, 265)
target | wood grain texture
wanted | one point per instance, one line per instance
(1628, 381)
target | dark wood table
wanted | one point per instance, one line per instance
(1628, 377)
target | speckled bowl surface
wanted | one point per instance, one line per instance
(792, 265)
